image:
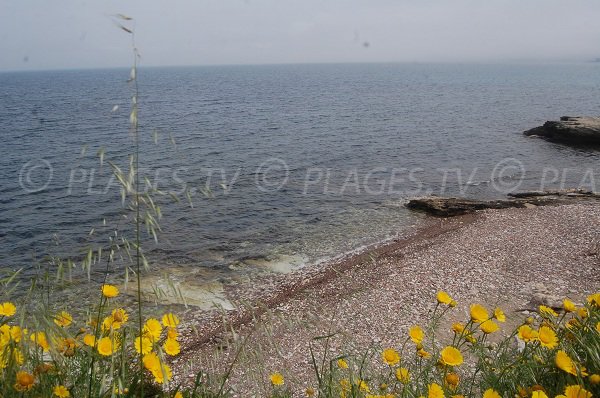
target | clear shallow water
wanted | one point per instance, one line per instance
(303, 161)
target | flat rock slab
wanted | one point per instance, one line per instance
(570, 129)
(449, 207)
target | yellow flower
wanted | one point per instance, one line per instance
(491, 393)
(452, 380)
(544, 310)
(434, 390)
(89, 340)
(24, 381)
(40, 339)
(527, 334)
(569, 306)
(402, 375)
(458, 327)
(362, 385)
(153, 329)
(594, 299)
(163, 371)
(63, 319)
(110, 291)
(106, 346)
(451, 356)
(171, 347)
(390, 356)
(7, 309)
(598, 327)
(416, 334)
(565, 363)
(277, 379)
(423, 354)
(342, 364)
(479, 313)
(538, 394)
(577, 391)
(583, 313)
(170, 320)
(143, 345)
(489, 326)
(178, 394)
(444, 298)
(595, 379)
(499, 315)
(151, 361)
(61, 391)
(119, 317)
(547, 337)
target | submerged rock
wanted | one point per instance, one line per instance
(570, 129)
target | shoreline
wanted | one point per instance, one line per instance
(496, 257)
(279, 288)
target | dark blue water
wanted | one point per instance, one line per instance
(285, 164)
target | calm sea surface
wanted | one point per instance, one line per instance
(300, 162)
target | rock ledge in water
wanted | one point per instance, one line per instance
(570, 129)
(448, 207)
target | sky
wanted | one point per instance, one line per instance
(68, 34)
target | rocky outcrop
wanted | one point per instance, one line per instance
(570, 129)
(448, 207)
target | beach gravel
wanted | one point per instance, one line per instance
(507, 258)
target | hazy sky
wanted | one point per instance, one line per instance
(50, 34)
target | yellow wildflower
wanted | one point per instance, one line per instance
(172, 333)
(61, 391)
(458, 327)
(598, 327)
(594, 299)
(489, 326)
(153, 329)
(499, 315)
(547, 337)
(310, 392)
(119, 317)
(595, 379)
(178, 394)
(40, 339)
(565, 363)
(89, 340)
(569, 306)
(544, 310)
(527, 334)
(423, 354)
(538, 394)
(142, 345)
(63, 319)
(151, 361)
(362, 385)
(7, 309)
(452, 380)
(342, 364)
(416, 334)
(576, 391)
(171, 347)
(491, 393)
(170, 320)
(479, 313)
(390, 356)
(110, 291)
(444, 298)
(276, 379)
(402, 375)
(163, 371)
(24, 381)
(451, 356)
(583, 313)
(434, 390)
(106, 346)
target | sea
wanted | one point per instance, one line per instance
(275, 167)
